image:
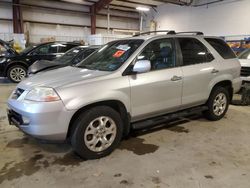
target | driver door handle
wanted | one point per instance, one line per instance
(176, 78)
(214, 71)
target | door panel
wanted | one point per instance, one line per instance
(196, 80)
(154, 93)
(198, 68)
(158, 91)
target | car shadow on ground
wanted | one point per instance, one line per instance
(133, 142)
(5, 81)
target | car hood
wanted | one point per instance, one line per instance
(8, 47)
(61, 77)
(245, 62)
(41, 65)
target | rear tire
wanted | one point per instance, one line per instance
(16, 73)
(97, 132)
(217, 103)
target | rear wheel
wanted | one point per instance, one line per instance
(218, 103)
(16, 73)
(97, 132)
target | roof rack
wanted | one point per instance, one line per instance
(169, 32)
(191, 32)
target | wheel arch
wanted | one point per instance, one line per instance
(13, 64)
(114, 104)
(226, 84)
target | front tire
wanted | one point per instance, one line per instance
(217, 103)
(97, 132)
(16, 73)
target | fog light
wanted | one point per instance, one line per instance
(26, 121)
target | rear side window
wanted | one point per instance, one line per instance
(221, 47)
(193, 51)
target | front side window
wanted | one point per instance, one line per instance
(46, 49)
(111, 56)
(160, 53)
(193, 51)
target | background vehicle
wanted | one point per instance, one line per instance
(244, 58)
(128, 84)
(71, 57)
(15, 65)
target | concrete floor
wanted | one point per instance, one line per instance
(185, 153)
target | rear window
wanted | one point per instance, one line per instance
(221, 47)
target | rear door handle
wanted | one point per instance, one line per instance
(176, 78)
(214, 71)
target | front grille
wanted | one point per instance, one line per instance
(245, 71)
(17, 93)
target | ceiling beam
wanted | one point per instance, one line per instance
(137, 3)
(114, 8)
(176, 2)
(123, 6)
(101, 4)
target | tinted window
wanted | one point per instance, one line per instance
(245, 54)
(221, 47)
(84, 54)
(160, 53)
(111, 56)
(193, 51)
(65, 47)
(46, 49)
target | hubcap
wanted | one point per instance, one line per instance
(17, 74)
(220, 103)
(100, 133)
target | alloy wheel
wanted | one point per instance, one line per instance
(100, 134)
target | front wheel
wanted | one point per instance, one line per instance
(16, 73)
(97, 132)
(217, 103)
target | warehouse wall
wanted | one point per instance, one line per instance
(230, 17)
(76, 24)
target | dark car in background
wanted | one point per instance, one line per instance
(15, 65)
(71, 57)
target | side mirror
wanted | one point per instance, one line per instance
(142, 66)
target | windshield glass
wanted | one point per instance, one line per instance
(26, 50)
(245, 54)
(111, 56)
(69, 55)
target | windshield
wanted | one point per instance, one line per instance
(26, 50)
(69, 55)
(245, 54)
(111, 56)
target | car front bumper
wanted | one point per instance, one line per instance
(43, 120)
(237, 84)
(245, 79)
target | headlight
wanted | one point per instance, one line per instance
(42, 94)
(2, 60)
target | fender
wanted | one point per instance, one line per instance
(16, 62)
(218, 79)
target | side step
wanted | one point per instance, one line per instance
(162, 119)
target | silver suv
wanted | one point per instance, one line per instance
(128, 84)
